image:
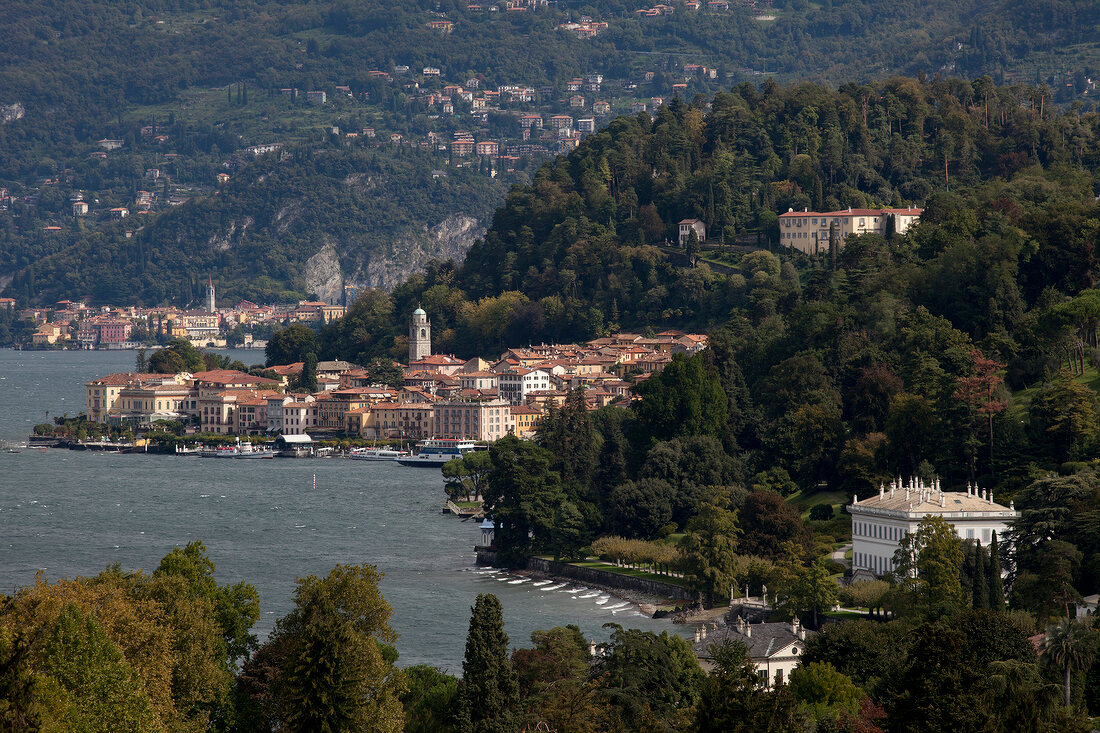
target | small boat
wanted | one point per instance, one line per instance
(377, 454)
(434, 452)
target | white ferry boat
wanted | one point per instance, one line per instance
(434, 452)
(248, 450)
(377, 454)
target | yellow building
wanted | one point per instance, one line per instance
(525, 418)
(391, 420)
(103, 394)
(808, 231)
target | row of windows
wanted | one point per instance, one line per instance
(877, 531)
(874, 562)
(825, 220)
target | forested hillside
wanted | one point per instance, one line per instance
(186, 87)
(964, 348)
(1009, 221)
(284, 228)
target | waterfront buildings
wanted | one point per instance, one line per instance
(880, 522)
(439, 395)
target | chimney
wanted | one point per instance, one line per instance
(748, 630)
(943, 500)
(849, 209)
(802, 632)
(592, 646)
(881, 490)
(703, 631)
(1012, 506)
(794, 626)
(991, 496)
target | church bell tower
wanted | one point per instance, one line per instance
(420, 336)
(210, 295)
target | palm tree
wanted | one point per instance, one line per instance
(1068, 644)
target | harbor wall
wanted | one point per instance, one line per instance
(594, 576)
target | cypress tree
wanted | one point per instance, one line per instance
(308, 380)
(980, 594)
(996, 587)
(489, 690)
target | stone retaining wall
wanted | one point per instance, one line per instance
(609, 579)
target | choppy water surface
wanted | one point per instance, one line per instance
(72, 513)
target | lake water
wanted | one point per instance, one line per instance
(71, 513)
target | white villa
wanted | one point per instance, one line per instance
(880, 522)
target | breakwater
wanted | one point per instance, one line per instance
(595, 576)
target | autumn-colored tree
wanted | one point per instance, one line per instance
(977, 393)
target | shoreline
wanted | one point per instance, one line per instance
(648, 604)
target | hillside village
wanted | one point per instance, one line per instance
(440, 395)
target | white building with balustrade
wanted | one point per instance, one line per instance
(881, 521)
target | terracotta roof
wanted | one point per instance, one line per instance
(230, 376)
(124, 379)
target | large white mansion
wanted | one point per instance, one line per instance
(880, 522)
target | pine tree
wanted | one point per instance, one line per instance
(489, 690)
(996, 586)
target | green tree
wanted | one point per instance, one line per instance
(1069, 645)
(1064, 416)
(429, 700)
(178, 356)
(928, 564)
(823, 691)
(640, 509)
(649, 678)
(489, 691)
(709, 549)
(814, 589)
(307, 380)
(467, 477)
(684, 399)
(88, 685)
(291, 345)
(237, 606)
(939, 687)
(337, 672)
(383, 371)
(523, 495)
(555, 684)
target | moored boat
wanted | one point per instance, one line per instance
(377, 454)
(434, 452)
